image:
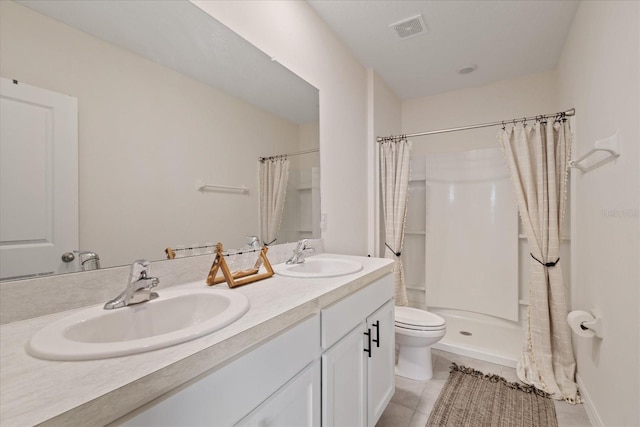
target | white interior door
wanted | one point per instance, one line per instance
(38, 180)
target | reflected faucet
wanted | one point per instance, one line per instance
(254, 243)
(138, 288)
(298, 252)
(88, 260)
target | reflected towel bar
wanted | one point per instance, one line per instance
(202, 186)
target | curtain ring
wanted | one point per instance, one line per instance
(504, 127)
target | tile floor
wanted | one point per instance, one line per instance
(413, 400)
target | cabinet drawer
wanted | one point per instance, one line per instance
(341, 317)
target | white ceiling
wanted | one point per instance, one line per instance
(180, 36)
(505, 39)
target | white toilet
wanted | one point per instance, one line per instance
(416, 331)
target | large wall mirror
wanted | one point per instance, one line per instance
(168, 99)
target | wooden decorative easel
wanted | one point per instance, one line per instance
(241, 277)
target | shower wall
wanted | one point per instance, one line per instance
(301, 212)
(466, 258)
(462, 251)
(471, 233)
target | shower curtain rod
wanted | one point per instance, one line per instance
(568, 113)
(296, 153)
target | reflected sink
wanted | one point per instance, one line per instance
(319, 267)
(174, 317)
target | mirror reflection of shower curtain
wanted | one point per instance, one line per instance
(274, 175)
(471, 234)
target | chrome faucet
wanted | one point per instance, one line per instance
(88, 260)
(254, 243)
(298, 252)
(138, 289)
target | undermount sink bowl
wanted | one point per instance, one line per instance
(174, 317)
(319, 267)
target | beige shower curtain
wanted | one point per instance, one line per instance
(274, 177)
(394, 176)
(537, 156)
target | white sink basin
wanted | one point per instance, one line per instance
(174, 317)
(319, 267)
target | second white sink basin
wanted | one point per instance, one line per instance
(319, 267)
(174, 317)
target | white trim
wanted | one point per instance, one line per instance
(372, 175)
(590, 409)
(480, 355)
(573, 227)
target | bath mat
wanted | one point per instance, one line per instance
(472, 399)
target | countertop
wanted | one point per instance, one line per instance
(97, 392)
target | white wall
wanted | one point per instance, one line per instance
(521, 97)
(599, 75)
(146, 133)
(309, 138)
(294, 35)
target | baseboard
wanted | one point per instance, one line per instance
(476, 354)
(589, 408)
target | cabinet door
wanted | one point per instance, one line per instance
(343, 392)
(381, 365)
(296, 404)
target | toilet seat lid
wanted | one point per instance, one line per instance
(413, 317)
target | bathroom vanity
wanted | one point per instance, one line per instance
(309, 351)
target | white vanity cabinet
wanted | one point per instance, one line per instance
(276, 383)
(314, 373)
(358, 361)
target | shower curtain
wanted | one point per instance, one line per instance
(394, 175)
(274, 176)
(537, 156)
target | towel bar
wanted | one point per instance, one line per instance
(608, 145)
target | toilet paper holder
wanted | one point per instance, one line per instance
(595, 326)
(586, 324)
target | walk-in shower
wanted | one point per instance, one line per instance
(465, 254)
(468, 252)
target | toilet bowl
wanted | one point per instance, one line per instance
(416, 331)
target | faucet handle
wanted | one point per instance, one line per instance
(139, 270)
(302, 245)
(253, 242)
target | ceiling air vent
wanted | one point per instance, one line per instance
(409, 27)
